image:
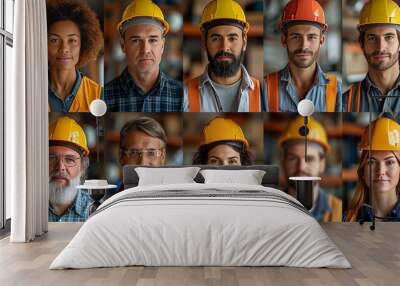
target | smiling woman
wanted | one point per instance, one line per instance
(222, 143)
(378, 174)
(74, 39)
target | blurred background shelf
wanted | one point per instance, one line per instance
(350, 175)
(193, 30)
(173, 141)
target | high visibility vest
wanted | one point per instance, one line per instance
(194, 95)
(88, 91)
(353, 101)
(336, 210)
(273, 92)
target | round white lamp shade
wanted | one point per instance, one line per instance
(98, 107)
(305, 107)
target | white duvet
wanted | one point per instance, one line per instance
(269, 228)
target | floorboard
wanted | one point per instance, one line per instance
(375, 257)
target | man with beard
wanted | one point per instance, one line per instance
(68, 162)
(142, 86)
(303, 30)
(225, 85)
(379, 39)
(326, 207)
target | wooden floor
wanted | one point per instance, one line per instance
(375, 257)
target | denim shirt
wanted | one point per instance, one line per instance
(394, 214)
(59, 105)
(371, 99)
(288, 99)
(321, 206)
(79, 211)
(208, 96)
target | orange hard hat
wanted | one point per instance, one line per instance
(303, 10)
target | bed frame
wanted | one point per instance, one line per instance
(270, 179)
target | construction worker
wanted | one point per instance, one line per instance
(68, 162)
(142, 86)
(326, 207)
(222, 142)
(74, 39)
(379, 40)
(385, 173)
(225, 85)
(142, 142)
(303, 30)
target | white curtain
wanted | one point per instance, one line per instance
(26, 124)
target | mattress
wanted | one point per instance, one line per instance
(201, 225)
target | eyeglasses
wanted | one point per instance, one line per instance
(68, 160)
(151, 154)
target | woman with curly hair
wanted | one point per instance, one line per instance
(381, 171)
(74, 39)
(222, 143)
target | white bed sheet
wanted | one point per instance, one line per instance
(200, 231)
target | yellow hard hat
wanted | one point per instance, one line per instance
(380, 12)
(67, 130)
(143, 8)
(222, 129)
(316, 132)
(224, 10)
(385, 135)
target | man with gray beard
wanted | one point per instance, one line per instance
(380, 41)
(68, 162)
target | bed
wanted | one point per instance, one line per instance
(201, 223)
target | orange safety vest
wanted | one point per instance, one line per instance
(194, 95)
(273, 92)
(336, 210)
(88, 91)
(353, 101)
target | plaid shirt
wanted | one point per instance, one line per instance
(122, 94)
(79, 211)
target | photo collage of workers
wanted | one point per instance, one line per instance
(310, 86)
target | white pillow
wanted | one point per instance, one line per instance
(249, 177)
(163, 176)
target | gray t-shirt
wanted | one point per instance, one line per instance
(228, 95)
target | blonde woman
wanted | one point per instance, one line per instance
(384, 169)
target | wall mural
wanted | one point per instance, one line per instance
(224, 83)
